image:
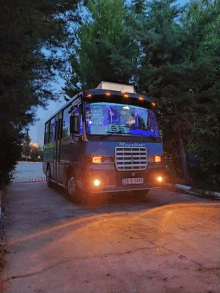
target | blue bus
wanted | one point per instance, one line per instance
(104, 140)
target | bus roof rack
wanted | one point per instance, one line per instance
(105, 85)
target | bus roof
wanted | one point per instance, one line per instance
(103, 89)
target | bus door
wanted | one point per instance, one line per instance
(57, 148)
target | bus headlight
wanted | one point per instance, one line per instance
(102, 159)
(159, 178)
(97, 160)
(96, 182)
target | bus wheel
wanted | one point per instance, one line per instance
(72, 188)
(48, 177)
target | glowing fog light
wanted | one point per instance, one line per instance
(159, 179)
(157, 159)
(97, 182)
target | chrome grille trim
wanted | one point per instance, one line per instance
(131, 158)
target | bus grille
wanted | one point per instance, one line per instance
(130, 159)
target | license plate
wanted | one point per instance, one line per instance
(132, 181)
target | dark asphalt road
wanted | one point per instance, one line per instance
(165, 243)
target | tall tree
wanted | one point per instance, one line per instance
(205, 139)
(101, 41)
(176, 71)
(30, 35)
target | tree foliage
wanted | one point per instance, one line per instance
(30, 35)
(170, 53)
(178, 71)
(98, 46)
(26, 148)
(138, 6)
(36, 154)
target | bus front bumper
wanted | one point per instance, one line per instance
(111, 181)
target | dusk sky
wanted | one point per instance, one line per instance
(37, 130)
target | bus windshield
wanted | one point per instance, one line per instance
(120, 119)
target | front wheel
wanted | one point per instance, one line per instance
(48, 178)
(73, 189)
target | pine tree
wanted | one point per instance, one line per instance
(184, 78)
(101, 43)
(139, 6)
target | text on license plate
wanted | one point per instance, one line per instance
(132, 181)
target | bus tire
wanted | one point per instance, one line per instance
(48, 178)
(73, 189)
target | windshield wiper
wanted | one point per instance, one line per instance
(113, 132)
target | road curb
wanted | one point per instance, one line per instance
(29, 179)
(197, 192)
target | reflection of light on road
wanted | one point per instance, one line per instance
(168, 221)
(113, 249)
(99, 233)
(169, 213)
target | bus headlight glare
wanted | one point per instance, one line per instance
(97, 160)
(159, 178)
(97, 182)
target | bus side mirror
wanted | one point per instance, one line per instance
(74, 124)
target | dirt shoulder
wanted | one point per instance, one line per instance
(170, 243)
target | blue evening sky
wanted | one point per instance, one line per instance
(37, 130)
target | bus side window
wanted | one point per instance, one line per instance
(58, 127)
(46, 135)
(66, 123)
(52, 130)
